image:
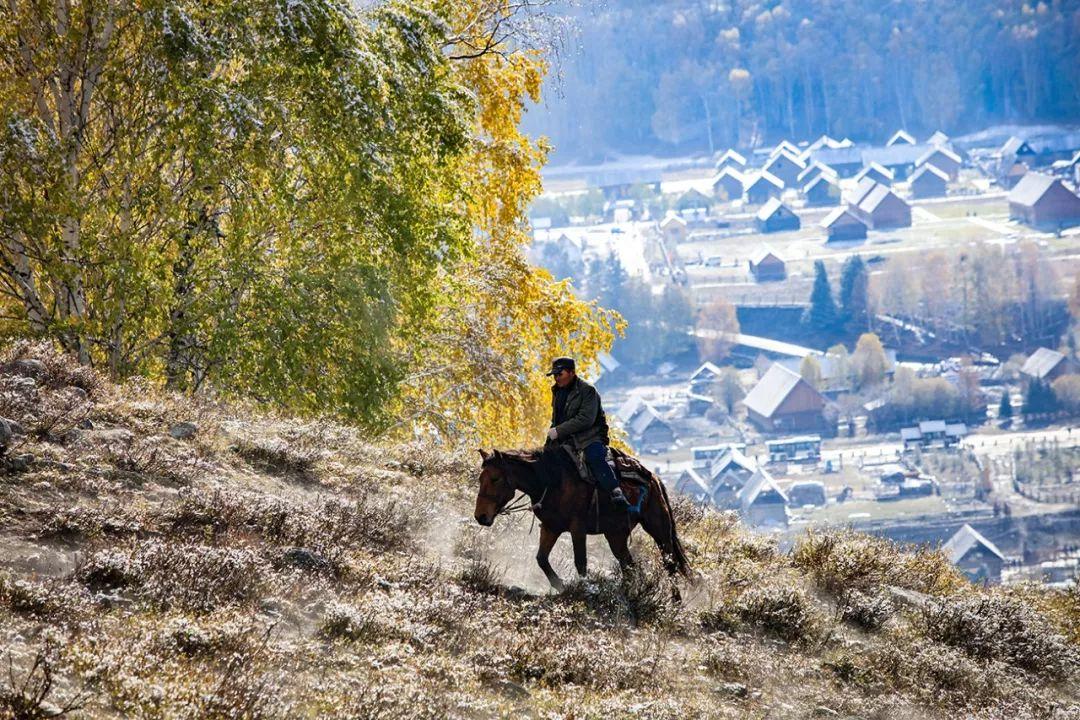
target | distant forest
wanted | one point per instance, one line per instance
(702, 75)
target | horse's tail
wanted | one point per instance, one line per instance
(677, 552)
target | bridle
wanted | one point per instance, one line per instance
(521, 504)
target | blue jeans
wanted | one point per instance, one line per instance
(596, 459)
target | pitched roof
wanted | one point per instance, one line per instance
(691, 477)
(1014, 146)
(784, 146)
(877, 196)
(936, 150)
(728, 171)
(929, 169)
(791, 157)
(840, 216)
(930, 426)
(705, 367)
(813, 170)
(768, 177)
(731, 156)
(820, 179)
(938, 138)
(893, 155)
(875, 167)
(671, 218)
(847, 155)
(772, 207)
(730, 459)
(771, 390)
(1031, 188)
(962, 542)
(629, 409)
(644, 418)
(608, 362)
(760, 482)
(764, 253)
(1041, 363)
(901, 136)
(861, 190)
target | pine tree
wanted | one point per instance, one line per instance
(854, 302)
(1005, 410)
(822, 314)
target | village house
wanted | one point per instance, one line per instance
(785, 166)
(728, 474)
(842, 224)
(975, 556)
(693, 485)
(943, 159)
(611, 372)
(784, 146)
(1015, 150)
(845, 161)
(860, 191)
(650, 432)
(763, 187)
(728, 185)
(762, 503)
(938, 138)
(930, 433)
(882, 208)
(1009, 178)
(703, 378)
(774, 216)
(693, 203)
(731, 159)
(822, 191)
(767, 265)
(673, 229)
(928, 181)
(900, 136)
(807, 493)
(876, 172)
(1044, 202)
(697, 405)
(899, 159)
(813, 171)
(1046, 365)
(782, 401)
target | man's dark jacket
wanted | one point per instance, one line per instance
(584, 422)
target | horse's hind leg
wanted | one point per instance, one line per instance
(659, 529)
(581, 558)
(547, 541)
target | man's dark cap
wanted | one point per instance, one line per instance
(561, 363)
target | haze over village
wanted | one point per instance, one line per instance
(875, 332)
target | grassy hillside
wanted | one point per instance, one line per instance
(164, 557)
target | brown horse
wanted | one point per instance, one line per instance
(563, 502)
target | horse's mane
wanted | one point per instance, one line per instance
(547, 463)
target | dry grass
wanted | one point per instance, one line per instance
(269, 567)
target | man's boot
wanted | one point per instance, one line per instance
(619, 500)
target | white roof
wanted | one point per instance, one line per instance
(934, 151)
(630, 408)
(837, 213)
(910, 433)
(759, 483)
(769, 178)
(705, 367)
(784, 146)
(773, 205)
(965, 539)
(901, 136)
(929, 168)
(644, 418)
(733, 156)
(931, 426)
(771, 390)
(1041, 363)
(672, 219)
(607, 362)
(730, 459)
(691, 480)
(876, 167)
(938, 138)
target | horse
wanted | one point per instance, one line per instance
(563, 502)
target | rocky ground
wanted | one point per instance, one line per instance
(170, 558)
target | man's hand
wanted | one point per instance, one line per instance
(553, 434)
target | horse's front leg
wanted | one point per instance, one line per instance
(581, 558)
(547, 541)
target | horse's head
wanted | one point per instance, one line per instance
(496, 487)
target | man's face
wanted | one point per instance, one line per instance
(564, 378)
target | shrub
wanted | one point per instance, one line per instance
(347, 622)
(58, 370)
(1000, 628)
(867, 610)
(640, 595)
(37, 599)
(841, 561)
(780, 610)
(482, 576)
(194, 577)
(28, 698)
(278, 456)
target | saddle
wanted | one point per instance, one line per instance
(627, 469)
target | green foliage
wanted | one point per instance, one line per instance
(1039, 398)
(1005, 409)
(854, 299)
(822, 314)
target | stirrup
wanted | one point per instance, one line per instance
(619, 499)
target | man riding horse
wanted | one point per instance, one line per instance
(578, 421)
